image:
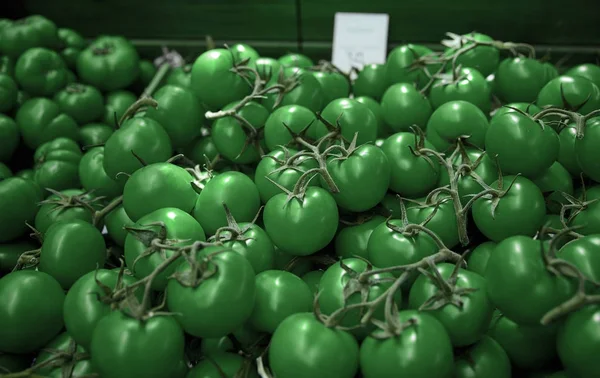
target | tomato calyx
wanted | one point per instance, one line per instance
(154, 241)
(138, 106)
(578, 119)
(201, 269)
(28, 259)
(200, 177)
(62, 202)
(329, 67)
(448, 292)
(233, 231)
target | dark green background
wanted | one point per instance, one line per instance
(277, 26)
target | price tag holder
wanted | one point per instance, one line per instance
(359, 39)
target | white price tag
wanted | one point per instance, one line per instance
(359, 39)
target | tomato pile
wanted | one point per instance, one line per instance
(242, 216)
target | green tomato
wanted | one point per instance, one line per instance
(157, 186)
(523, 295)
(233, 141)
(567, 155)
(70, 250)
(63, 343)
(581, 253)
(9, 137)
(583, 150)
(214, 82)
(333, 293)
(94, 134)
(330, 353)
(179, 112)
(108, 63)
(527, 346)
(383, 130)
(401, 65)
(40, 120)
(367, 164)
(178, 226)
(588, 70)
(587, 218)
(333, 84)
(94, 178)
(180, 77)
(255, 246)
(296, 117)
(115, 222)
(83, 103)
(578, 339)
(553, 182)
(117, 102)
(153, 348)
(71, 38)
(57, 164)
(457, 119)
(10, 253)
(28, 32)
(466, 324)
(223, 365)
(526, 107)
(477, 259)
(307, 93)
(50, 213)
(201, 150)
(279, 294)
(352, 117)
(411, 176)
(420, 351)
(295, 60)
(313, 279)
(242, 52)
(219, 304)
(486, 358)
(483, 58)
(83, 307)
(570, 92)
(442, 220)
(8, 93)
(352, 240)
(403, 106)
(470, 86)
(30, 310)
(234, 189)
(288, 222)
(41, 72)
(19, 203)
(520, 211)
(140, 135)
(519, 79)
(370, 81)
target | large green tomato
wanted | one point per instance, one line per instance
(28, 32)
(588, 70)
(296, 117)
(70, 250)
(50, 213)
(30, 310)
(142, 259)
(367, 164)
(40, 120)
(94, 134)
(470, 86)
(465, 324)
(157, 186)
(581, 253)
(234, 189)
(304, 347)
(255, 245)
(402, 65)
(411, 176)
(19, 203)
(333, 84)
(483, 58)
(403, 106)
(41, 72)
(570, 92)
(457, 119)
(57, 164)
(525, 294)
(143, 136)
(520, 211)
(109, 63)
(279, 294)
(307, 92)
(486, 358)
(84, 306)
(94, 177)
(179, 112)
(422, 350)
(82, 102)
(288, 223)
(383, 129)
(584, 150)
(519, 79)
(152, 348)
(213, 80)
(117, 102)
(353, 117)
(216, 305)
(442, 219)
(477, 259)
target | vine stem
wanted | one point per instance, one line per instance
(159, 269)
(99, 215)
(156, 80)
